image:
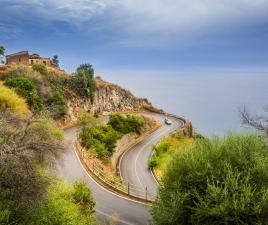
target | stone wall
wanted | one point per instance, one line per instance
(22, 59)
(122, 145)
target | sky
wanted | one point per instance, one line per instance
(137, 35)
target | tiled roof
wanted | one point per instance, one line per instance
(18, 53)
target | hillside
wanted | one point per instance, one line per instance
(65, 94)
(108, 98)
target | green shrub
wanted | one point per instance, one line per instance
(217, 181)
(26, 89)
(66, 205)
(42, 69)
(153, 162)
(126, 124)
(82, 196)
(86, 119)
(101, 139)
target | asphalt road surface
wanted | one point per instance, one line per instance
(133, 166)
(109, 206)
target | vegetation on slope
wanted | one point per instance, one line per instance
(216, 181)
(48, 89)
(100, 139)
(42, 69)
(66, 205)
(29, 144)
(25, 88)
(28, 193)
(126, 124)
(165, 151)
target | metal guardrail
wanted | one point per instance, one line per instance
(144, 195)
(141, 194)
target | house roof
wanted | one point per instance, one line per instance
(18, 53)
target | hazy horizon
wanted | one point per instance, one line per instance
(211, 100)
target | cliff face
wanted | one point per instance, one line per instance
(108, 98)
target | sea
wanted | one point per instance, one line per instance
(211, 99)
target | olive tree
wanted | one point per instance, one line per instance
(26, 146)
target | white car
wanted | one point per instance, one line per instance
(167, 121)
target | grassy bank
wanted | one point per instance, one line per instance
(165, 151)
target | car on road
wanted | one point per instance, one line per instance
(167, 121)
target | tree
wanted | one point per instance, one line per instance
(260, 123)
(216, 181)
(85, 82)
(55, 60)
(26, 145)
(2, 53)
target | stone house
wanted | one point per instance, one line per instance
(24, 58)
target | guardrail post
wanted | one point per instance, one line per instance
(146, 193)
(128, 188)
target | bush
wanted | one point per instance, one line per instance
(26, 89)
(42, 69)
(101, 139)
(83, 197)
(216, 182)
(66, 205)
(11, 101)
(126, 124)
(86, 119)
(153, 162)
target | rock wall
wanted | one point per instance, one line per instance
(108, 98)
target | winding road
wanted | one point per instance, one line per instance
(133, 169)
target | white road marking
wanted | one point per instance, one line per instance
(103, 187)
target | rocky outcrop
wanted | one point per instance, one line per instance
(108, 98)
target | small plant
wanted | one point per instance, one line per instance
(153, 162)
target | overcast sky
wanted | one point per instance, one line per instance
(139, 34)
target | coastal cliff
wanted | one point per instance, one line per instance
(108, 98)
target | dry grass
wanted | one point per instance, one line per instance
(10, 100)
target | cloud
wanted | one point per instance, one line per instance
(73, 12)
(143, 19)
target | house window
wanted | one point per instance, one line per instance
(19, 59)
(32, 61)
(45, 62)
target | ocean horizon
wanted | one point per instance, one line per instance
(210, 99)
